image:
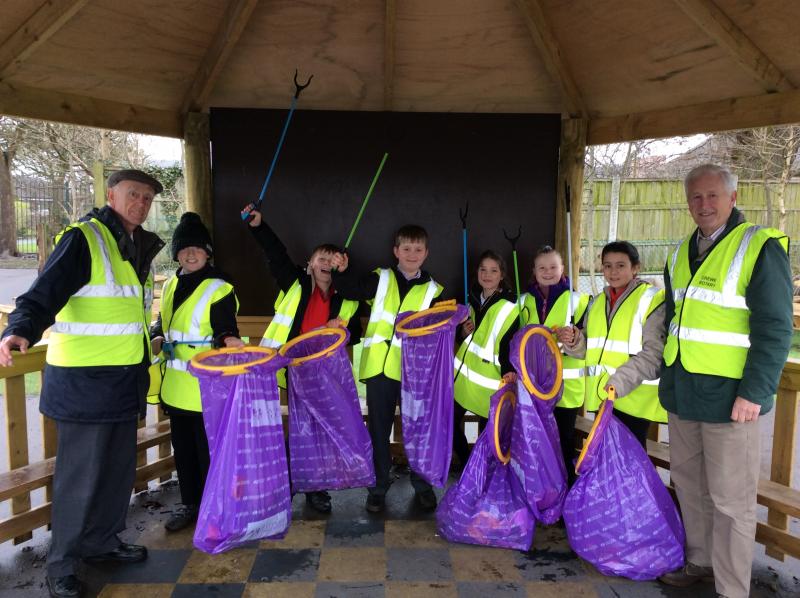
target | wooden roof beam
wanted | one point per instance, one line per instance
(554, 62)
(43, 104)
(230, 29)
(721, 115)
(720, 28)
(389, 54)
(40, 26)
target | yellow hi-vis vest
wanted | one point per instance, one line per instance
(377, 356)
(477, 362)
(190, 322)
(106, 322)
(559, 315)
(609, 346)
(711, 326)
(286, 304)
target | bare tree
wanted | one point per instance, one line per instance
(11, 137)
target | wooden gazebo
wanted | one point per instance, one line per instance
(614, 70)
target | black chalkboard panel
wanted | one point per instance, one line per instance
(504, 165)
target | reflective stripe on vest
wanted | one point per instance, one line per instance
(477, 361)
(609, 346)
(104, 323)
(559, 315)
(286, 305)
(711, 325)
(378, 355)
(190, 322)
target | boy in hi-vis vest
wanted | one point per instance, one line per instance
(389, 291)
(307, 300)
(198, 312)
(622, 342)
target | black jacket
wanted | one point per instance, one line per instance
(94, 394)
(286, 273)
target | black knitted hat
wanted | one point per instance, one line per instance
(191, 232)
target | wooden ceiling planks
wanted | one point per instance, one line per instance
(141, 52)
(340, 42)
(471, 56)
(634, 64)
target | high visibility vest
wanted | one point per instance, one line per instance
(711, 326)
(608, 347)
(286, 304)
(381, 349)
(477, 361)
(190, 322)
(106, 322)
(558, 316)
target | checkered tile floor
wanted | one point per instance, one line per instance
(349, 553)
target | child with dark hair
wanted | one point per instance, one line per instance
(307, 300)
(198, 312)
(551, 302)
(623, 342)
(482, 360)
(389, 291)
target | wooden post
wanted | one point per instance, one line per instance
(590, 236)
(17, 438)
(613, 214)
(572, 153)
(49, 444)
(99, 184)
(165, 448)
(44, 243)
(197, 166)
(783, 446)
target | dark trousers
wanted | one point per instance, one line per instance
(637, 425)
(383, 396)
(460, 444)
(565, 421)
(94, 475)
(190, 446)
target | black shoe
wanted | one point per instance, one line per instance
(426, 500)
(124, 553)
(67, 586)
(376, 503)
(185, 516)
(319, 501)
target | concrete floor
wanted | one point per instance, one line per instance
(350, 553)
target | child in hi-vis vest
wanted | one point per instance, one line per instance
(307, 300)
(198, 312)
(482, 361)
(389, 291)
(623, 342)
(551, 302)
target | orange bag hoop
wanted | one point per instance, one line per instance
(237, 369)
(612, 394)
(508, 395)
(526, 379)
(423, 330)
(298, 360)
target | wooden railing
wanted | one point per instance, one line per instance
(774, 493)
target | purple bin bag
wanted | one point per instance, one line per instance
(246, 495)
(329, 446)
(488, 505)
(540, 463)
(426, 395)
(619, 515)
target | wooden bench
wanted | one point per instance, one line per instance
(40, 474)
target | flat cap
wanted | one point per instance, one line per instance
(134, 175)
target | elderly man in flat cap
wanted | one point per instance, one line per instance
(94, 294)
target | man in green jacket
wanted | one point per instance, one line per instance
(729, 322)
